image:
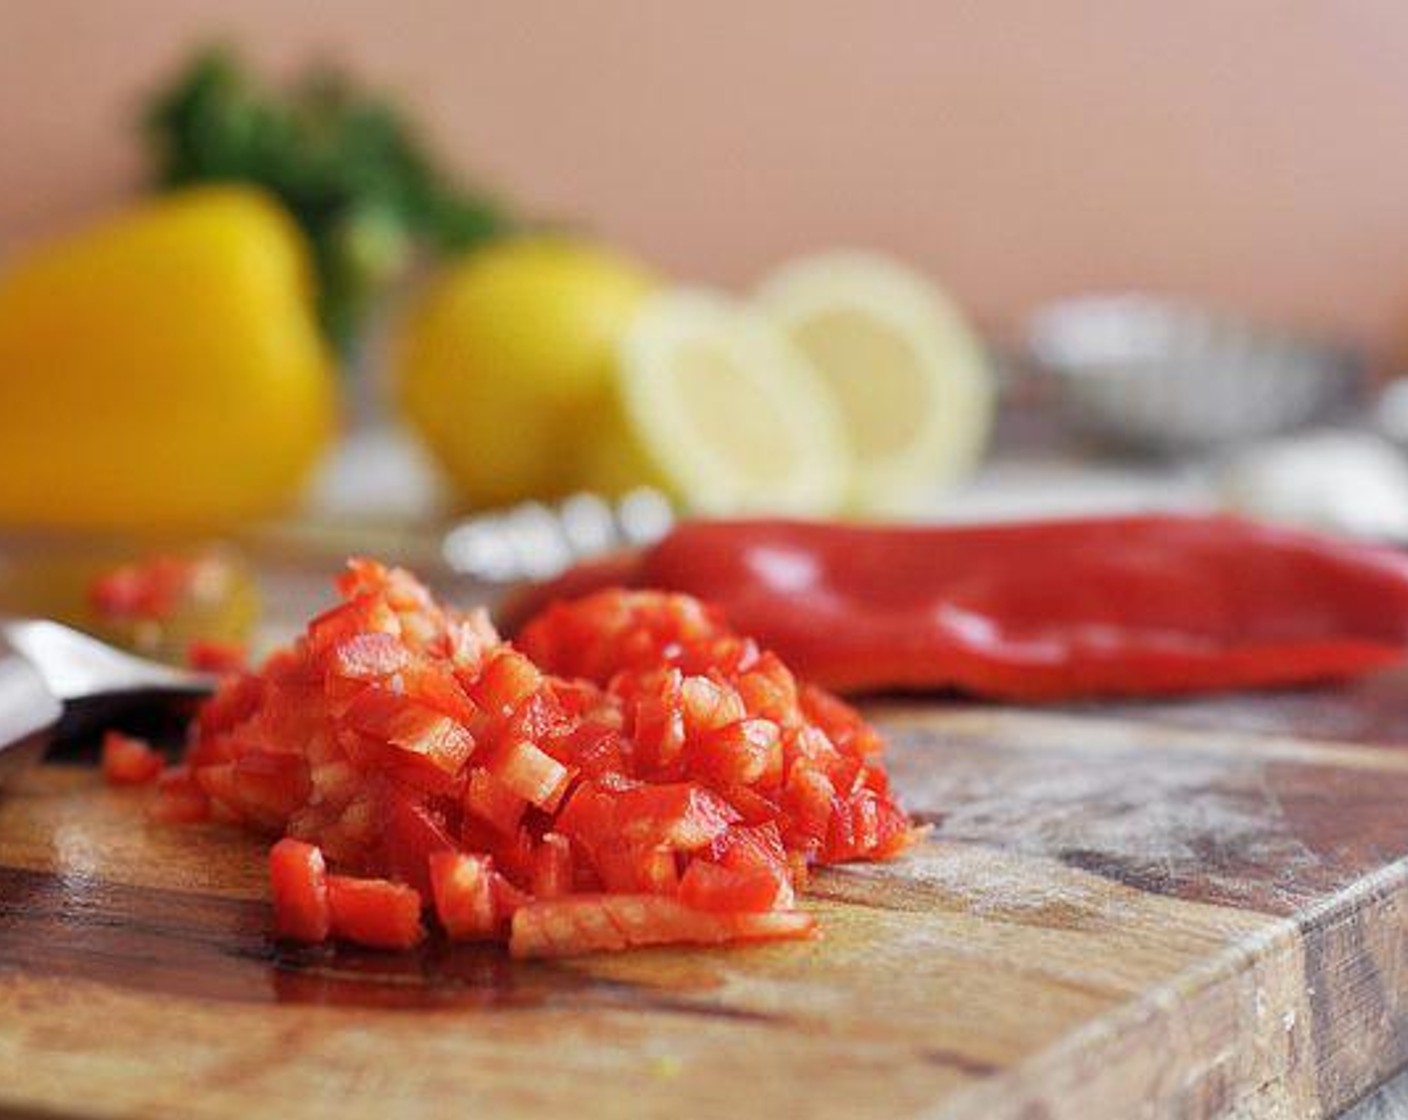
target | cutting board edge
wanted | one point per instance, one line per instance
(1104, 1069)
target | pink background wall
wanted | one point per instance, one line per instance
(1250, 151)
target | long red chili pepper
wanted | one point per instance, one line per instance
(1039, 611)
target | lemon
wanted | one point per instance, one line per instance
(906, 371)
(161, 368)
(507, 364)
(721, 410)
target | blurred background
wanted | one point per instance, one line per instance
(908, 260)
(1252, 154)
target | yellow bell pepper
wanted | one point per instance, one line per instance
(162, 368)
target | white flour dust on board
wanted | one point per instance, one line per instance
(1159, 819)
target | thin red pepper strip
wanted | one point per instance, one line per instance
(1038, 611)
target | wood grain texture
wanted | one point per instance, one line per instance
(1117, 915)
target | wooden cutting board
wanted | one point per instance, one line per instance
(1191, 910)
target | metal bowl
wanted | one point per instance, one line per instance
(1169, 378)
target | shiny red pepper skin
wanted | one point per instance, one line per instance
(1039, 611)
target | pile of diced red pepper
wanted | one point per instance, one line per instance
(631, 773)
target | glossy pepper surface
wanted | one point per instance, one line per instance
(1038, 611)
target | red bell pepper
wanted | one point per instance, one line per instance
(1039, 611)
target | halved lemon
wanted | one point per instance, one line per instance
(509, 347)
(718, 407)
(907, 372)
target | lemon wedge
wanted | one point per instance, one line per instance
(719, 408)
(907, 373)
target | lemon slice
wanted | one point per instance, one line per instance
(908, 374)
(727, 414)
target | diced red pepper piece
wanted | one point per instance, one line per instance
(272, 786)
(513, 854)
(636, 868)
(493, 802)
(865, 826)
(207, 655)
(611, 922)
(808, 800)
(506, 681)
(411, 727)
(596, 747)
(530, 773)
(658, 733)
(843, 725)
(745, 752)
(683, 816)
(368, 613)
(128, 761)
(464, 895)
(468, 639)
(147, 589)
(411, 838)
(298, 881)
(746, 869)
(711, 886)
(375, 912)
(236, 699)
(262, 787)
(552, 866)
(437, 687)
(589, 816)
(708, 705)
(769, 689)
(369, 656)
